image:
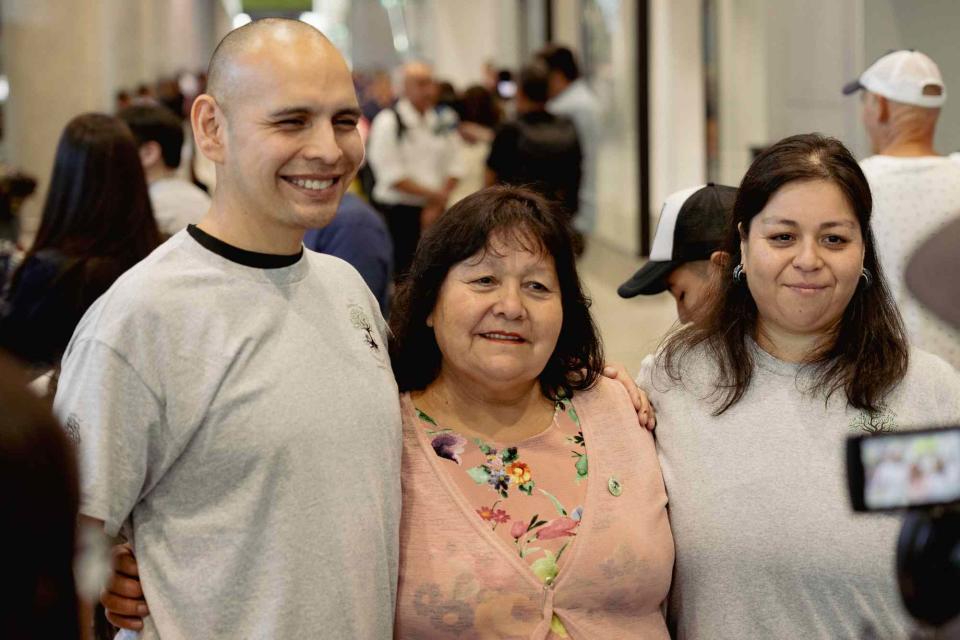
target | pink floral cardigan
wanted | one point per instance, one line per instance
(459, 578)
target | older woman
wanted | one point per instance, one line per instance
(507, 530)
(803, 347)
(533, 505)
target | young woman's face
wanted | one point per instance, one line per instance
(498, 316)
(803, 257)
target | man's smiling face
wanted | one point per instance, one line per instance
(291, 146)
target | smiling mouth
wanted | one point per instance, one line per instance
(805, 288)
(509, 338)
(312, 185)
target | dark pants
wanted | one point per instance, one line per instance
(403, 221)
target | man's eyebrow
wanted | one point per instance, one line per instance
(290, 111)
(349, 111)
(306, 111)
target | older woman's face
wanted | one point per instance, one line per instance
(803, 258)
(498, 316)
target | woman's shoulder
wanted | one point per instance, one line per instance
(930, 382)
(928, 370)
(693, 369)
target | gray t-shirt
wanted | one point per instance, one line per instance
(767, 545)
(242, 426)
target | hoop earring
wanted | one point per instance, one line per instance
(867, 277)
(738, 275)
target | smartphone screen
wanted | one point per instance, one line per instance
(902, 470)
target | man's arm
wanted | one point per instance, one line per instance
(114, 419)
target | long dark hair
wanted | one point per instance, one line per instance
(463, 231)
(97, 203)
(39, 506)
(868, 355)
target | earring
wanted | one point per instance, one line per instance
(738, 275)
(867, 277)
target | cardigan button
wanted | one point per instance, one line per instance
(548, 580)
(614, 486)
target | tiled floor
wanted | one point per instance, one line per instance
(630, 328)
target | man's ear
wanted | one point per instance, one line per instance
(209, 128)
(720, 259)
(150, 154)
(883, 108)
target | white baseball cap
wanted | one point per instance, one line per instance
(691, 227)
(905, 76)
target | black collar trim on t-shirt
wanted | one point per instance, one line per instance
(253, 259)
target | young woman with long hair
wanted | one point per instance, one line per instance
(97, 223)
(802, 347)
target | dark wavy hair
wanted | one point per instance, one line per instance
(868, 355)
(462, 232)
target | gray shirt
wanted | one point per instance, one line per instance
(767, 545)
(242, 426)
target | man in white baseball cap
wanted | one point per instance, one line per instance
(916, 191)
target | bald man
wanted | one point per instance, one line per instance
(415, 154)
(231, 397)
(916, 191)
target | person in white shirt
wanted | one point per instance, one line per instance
(916, 191)
(176, 202)
(414, 151)
(571, 96)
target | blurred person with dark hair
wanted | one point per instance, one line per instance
(121, 100)
(15, 187)
(170, 96)
(479, 118)
(414, 151)
(38, 507)
(801, 347)
(916, 191)
(539, 149)
(97, 223)
(144, 94)
(571, 96)
(377, 94)
(159, 133)
(446, 95)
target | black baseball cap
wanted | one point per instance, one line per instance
(691, 227)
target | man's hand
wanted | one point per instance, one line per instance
(122, 597)
(645, 413)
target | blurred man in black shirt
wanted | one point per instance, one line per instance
(538, 149)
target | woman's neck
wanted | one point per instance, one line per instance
(502, 414)
(791, 347)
